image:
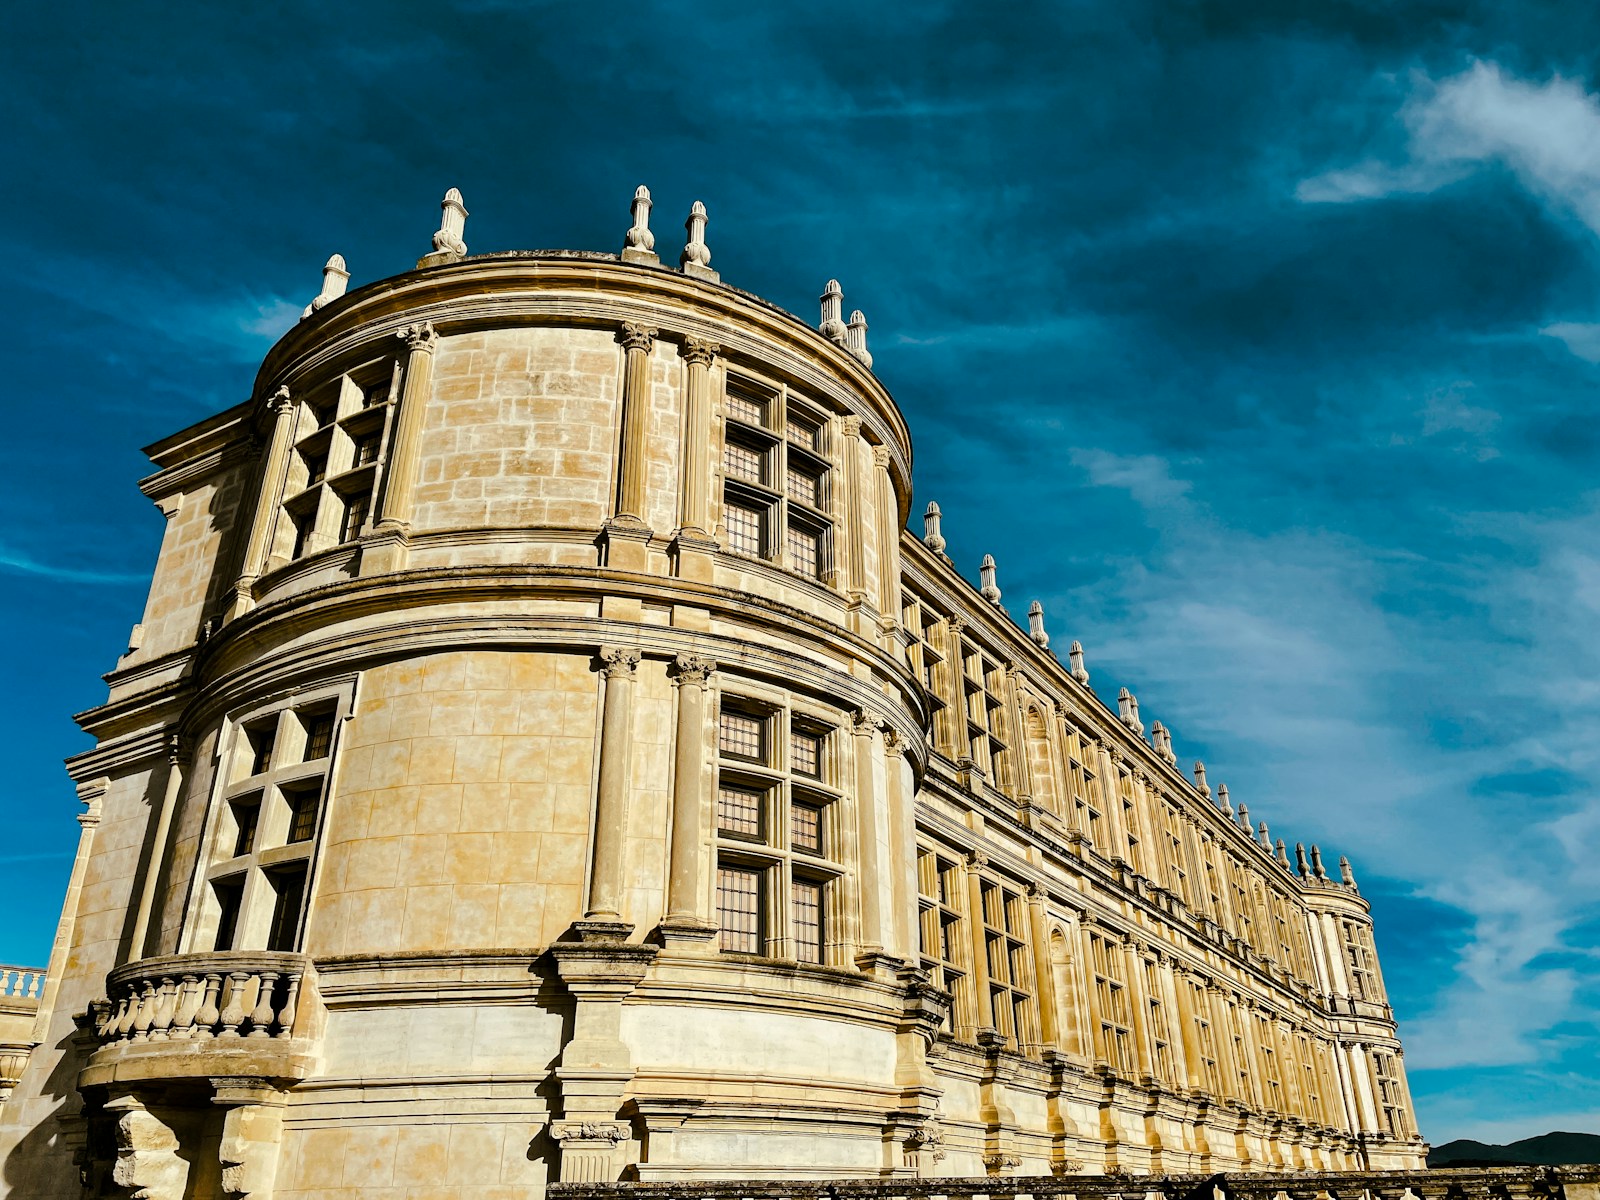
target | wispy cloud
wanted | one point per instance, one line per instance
(1546, 133)
(18, 563)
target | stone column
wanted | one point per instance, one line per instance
(687, 922)
(982, 1009)
(903, 929)
(611, 805)
(252, 1134)
(269, 495)
(1133, 962)
(177, 760)
(1043, 972)
(888, 547)
(698, 355)
(387, 551)
(627, 532)
(853, 524)
(90, 795)
(1194, 1071)
(870, 954)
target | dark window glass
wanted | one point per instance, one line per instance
(290, 886)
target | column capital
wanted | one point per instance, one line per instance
(881, 457)
(699, 352)
(893, 744)
(693, 670)
(177, 749)
(977, 860)
(865, 724)
(635, 336)
(419, 338)
(281, 401)
(620, 661)
(1037, 891)
(850, 426)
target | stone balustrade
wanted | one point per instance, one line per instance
(226, 995)
(23, 983)
(1498, 1183)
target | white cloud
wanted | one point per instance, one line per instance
(1547, 134)
(1582, 339)
(22, 564)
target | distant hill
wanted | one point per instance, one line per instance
(1546, 1150)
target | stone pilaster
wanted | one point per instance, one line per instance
(888, 510)
(611, 806)
(869, 801)
(1133, 964)
(982, 1013)
(600, 970)
(269, 496)
(91, 795)
(855, 528)
(387, 549)
(687, 922)
(1043, 974)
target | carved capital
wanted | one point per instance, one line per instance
(620, 661)
(419, 339)
(698, 352)
(693, 670)
(282, 401)
(850, 426)
(634, 336)
(957, 624)
(977, 860)
(1036, 890)
(865, 723)
(881, 457)
(893, 744)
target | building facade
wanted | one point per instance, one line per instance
(546, 756)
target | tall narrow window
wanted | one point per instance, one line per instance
(1111, 1007)
(941, 933)
(775, 479)
(773, 816)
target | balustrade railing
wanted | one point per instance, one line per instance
(22, 983)
(235, 994)
(1494, 1183)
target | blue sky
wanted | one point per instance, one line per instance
(1259, 341)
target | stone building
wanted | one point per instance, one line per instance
(545, 755)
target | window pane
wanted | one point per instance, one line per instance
(806, 900)
(290, 887)
(367, 449)
(741, 462)
(742, 735)
(304, 523)
(801, 432)
(261, 739)
(246, 815)
(747, 409)
(303, 804)
(229, 893)
(739, 909)
(319, 736)
(805, 754)
(805, 827)
(316, 467)
(803, 487)
(805, 551)
(739, 811)
(744, 529)
(355, 516)
(376, 394)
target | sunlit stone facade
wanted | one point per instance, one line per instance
(546, 755)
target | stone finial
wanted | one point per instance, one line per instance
(1300, 860)
(1244, 815)
(1128, 710)
(696, 257)
(930, 520)
(1200, 783)
(833, 326)
(1036, 626)
(988, 589)
(1075, 662)
(1317, 868)
(640, 244)
(1222, 800)
(447, 244)
(1280, 852)
(335, 278)
(855, 338)
(1345, 873)
(1163, 741)
(1263, 835)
